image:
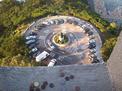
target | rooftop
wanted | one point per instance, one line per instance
(64, 78)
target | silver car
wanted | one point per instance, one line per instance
(31, 37)
(34, 49)
(92, 41)
(30, 41)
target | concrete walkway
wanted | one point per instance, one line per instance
(93, 77)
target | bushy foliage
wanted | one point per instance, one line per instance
(108, 47)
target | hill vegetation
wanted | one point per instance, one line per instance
(16, 16)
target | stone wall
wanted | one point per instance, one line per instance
(115, 65)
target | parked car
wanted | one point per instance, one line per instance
(33, 33)
(52, 63)
(90, 33)
(92, 36)
(92, 45)
(56, 21)
(32, 45)
(51, 22)
(31, 37)
(93, 50)
(80, 25)
(70, 21)
(30, 41)
(75, 23)
(93, 55)
(42, 56)
(52, 47)
(33, 53)
(34, 49)
(46, 23)
(85, 28)
(92, 41)
(95, 60)
(40, 27)
(61, 21)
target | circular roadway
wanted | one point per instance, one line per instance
(77, 49)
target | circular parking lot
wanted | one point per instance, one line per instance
(63, 40)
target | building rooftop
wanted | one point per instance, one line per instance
(93, 77)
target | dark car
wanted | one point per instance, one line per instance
(95, 60)
(75, 23)
(41, 26)
(33, 54)
(86, 30)
(33, 33)
(93, 50)
(61, 21)
(32, 45)
(92, 45)
(56, 21)
(70, 21)
(90, 33)
(80, 25)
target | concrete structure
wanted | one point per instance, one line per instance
(108, 9)
(115, 65)
(64, 78)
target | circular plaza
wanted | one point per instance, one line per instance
(63, 40)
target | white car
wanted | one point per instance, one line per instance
(30, 37)
(34, 49)
(42, 56)
(52, 47)
(46, 23)
(51, 22)
(92, 36)
(92, 41)
(83, 26)
(30, 41)
(52, 63)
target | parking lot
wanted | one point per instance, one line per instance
(83, 45)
